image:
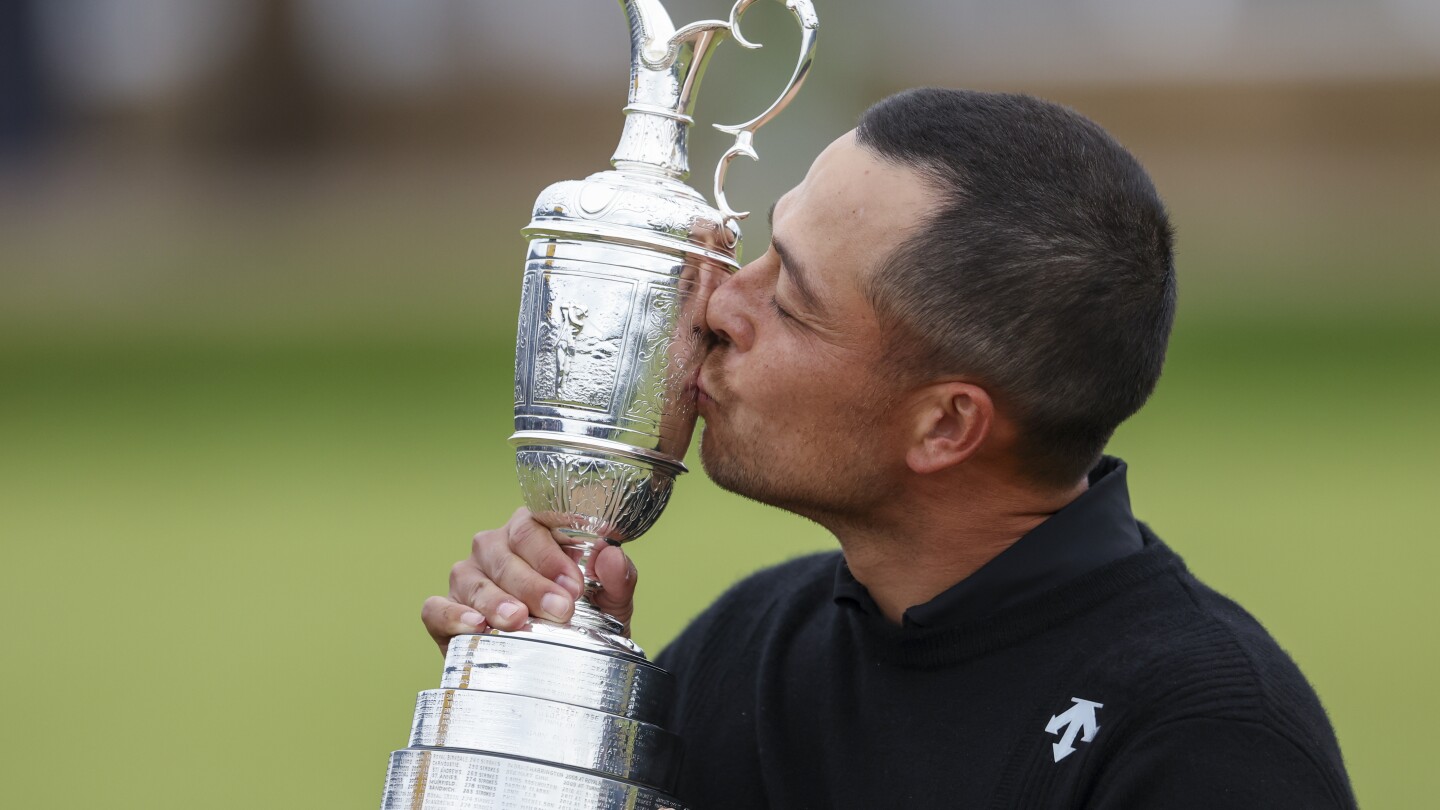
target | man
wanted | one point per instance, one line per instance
(962, 300)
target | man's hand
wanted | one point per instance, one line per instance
(519, 571)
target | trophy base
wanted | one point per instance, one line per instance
(526, 724)
(522, 664)
(607, 638)
(440, 779)
(535, 729)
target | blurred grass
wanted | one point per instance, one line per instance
(215, 550)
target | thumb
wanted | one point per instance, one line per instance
(617, 575)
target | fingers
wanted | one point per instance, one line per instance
(617, 575)
(539, 548)
(517, 572)
(470, 587)
(445, 619)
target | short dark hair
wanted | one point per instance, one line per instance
(1045, 270)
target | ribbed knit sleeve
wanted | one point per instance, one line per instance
(1203, 763)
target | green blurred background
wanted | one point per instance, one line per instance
(258, 273)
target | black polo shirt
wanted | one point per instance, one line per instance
(1092, 530)
(1083, 667)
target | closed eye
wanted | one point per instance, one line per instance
(779, 310)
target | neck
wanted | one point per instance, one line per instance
(922, 544)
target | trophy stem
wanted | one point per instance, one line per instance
(583, 552)
(582, 548)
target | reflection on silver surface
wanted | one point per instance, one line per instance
(608, 346)
(497, 723)
(625, 687)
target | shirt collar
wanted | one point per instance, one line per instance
(1090, 531)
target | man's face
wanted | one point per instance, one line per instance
(798, 410)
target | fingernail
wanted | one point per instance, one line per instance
(568, 583)
(555, 605)
(472, 619)
(629, 568)
(507, 609)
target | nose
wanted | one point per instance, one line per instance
(728, 315)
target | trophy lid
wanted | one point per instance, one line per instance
(644, 202)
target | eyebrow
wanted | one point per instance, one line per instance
(797, 274)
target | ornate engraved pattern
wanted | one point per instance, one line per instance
(582, 323)
(607, 497)
(670, 351)
(663, 215)
(555, 199)
(634, 203)
(523, 357)
(653, 359)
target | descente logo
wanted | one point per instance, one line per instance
(1074, 720)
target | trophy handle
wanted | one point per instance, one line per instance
(744, 133)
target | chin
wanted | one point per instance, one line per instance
(755, 476)
(728, 472)
(821, 493)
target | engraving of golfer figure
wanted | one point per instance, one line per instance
(565, 344)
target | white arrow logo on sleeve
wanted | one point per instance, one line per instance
(1074, 720)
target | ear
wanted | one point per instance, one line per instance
(952, 420)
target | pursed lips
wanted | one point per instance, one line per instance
(702, 391)
(702, 395)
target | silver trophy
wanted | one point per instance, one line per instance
(610, 341)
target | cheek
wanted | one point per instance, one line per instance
(797, 395)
